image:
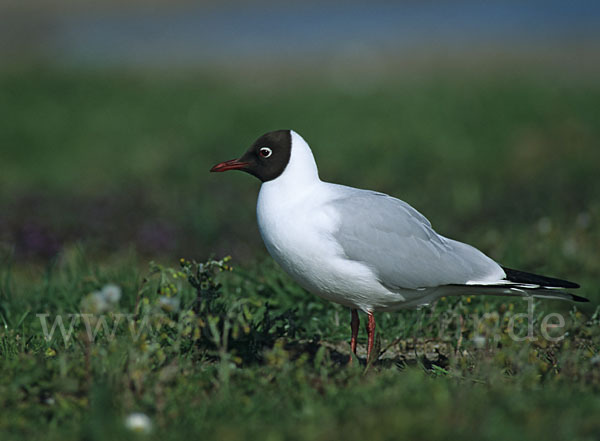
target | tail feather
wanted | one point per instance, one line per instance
(515, 290)
(521, 277)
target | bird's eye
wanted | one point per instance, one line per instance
(265, 152)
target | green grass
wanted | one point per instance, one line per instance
(481, 157)
(263, 360)
(102, 173)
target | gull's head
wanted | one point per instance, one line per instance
(273, 154)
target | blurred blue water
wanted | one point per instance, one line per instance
(192, 34)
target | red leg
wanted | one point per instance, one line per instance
(370, 334)
(354, 322)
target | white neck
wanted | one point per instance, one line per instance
(301, 170)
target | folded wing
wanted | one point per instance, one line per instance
(400, 246)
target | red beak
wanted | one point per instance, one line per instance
(233, 164)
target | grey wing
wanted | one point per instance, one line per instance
(400, 246)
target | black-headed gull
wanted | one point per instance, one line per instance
(363, 249)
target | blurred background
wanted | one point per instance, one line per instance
(482, 115)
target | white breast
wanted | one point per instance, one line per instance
(297, 229)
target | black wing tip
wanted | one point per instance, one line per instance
(579, 299)
(517, 276)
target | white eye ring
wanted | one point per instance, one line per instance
(265, 152)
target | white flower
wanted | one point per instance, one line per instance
(98, 302)
(112, 293)
(95, 303)
(168, 303)
(138, 422)
(479, 341)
